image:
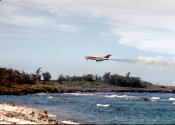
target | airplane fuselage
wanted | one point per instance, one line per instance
(98, 58)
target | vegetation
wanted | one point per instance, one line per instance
(14, 80)
(115, 79)
(10, 76)
(38, 71)
(46, 76)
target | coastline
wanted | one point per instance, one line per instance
(21, 83)
(54, 90)
(15, 114)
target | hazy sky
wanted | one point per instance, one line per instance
(57, 34)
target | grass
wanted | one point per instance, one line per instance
(78, 86)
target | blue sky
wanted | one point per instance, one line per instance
(57, 34)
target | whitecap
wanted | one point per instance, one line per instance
(173, 103)
(69, 122)
(111, 96)
(50, 97)
(172, 99)
(42, 93)
(121, 96)
(79, 94)
(155, 98)
(103, 105)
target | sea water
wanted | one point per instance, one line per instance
(102, 108)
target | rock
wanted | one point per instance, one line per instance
(64, 99)
(144, 99)
(14, 114)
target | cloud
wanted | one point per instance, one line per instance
(22, 35)
(68, 28)
(29, 21)
(144, 24)
(147, 39)
(19, 14)
(14, 30)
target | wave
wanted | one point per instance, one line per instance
(171, 99)
(79, 94)
(173, 103)
(42, 93)
(69, 122)
(121, 96)
(50, 97)
(103, 105)
(155, 98)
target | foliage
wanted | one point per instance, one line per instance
(38, 71)
(61, 78)
(117, 80)
(46, 76)
(9, 76)
(14, 78)
(122, 80)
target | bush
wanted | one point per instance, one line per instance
(10, 76)
(121, 80)
(46, 76)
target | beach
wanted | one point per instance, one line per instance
(15, 114)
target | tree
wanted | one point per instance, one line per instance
(61, 78)
(38, 71)
(128, 74)
(96, 78)
(67, 78)
(88, 77)
(122, 80)
(106, 76)
(46, 76)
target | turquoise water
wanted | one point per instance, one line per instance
(103, 108)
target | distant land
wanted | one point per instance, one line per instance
(14, 82)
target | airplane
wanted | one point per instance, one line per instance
(97, 58)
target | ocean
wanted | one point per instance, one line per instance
(102, 108)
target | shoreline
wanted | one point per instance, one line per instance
(50, 90)
(16, 114)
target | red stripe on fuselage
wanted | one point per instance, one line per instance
(92, 57)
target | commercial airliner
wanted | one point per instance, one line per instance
(97, 58)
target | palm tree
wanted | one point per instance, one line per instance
(38, 71)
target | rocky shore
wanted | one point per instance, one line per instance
(15, 114)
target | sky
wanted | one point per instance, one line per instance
(57, 34)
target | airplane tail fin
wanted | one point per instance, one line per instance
(107, 56)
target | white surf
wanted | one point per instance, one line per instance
(172, 99)
(79, 94)
(69, 122)
(155, 98)
(103, 105)
(121, 96)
